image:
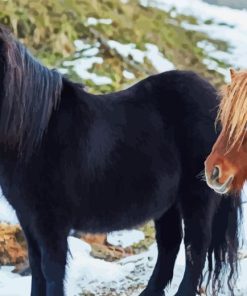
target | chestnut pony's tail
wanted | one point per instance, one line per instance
(223, 251)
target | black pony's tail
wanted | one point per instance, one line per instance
(223, 266)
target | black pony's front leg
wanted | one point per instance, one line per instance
(53, 261)
(168, 237)
(198, 219)
(38, 287)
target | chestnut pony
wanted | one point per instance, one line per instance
(226, 166)
(73, 160)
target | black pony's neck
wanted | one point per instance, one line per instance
(29, 94)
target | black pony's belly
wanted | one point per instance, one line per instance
(123, 220)
(126, 212)
(130, 183)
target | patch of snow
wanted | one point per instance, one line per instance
(128, 75)
(125, 238)
(127, 50)
(174, 14)
(244, 192)
(12, 284)
(63, 71)
(81, 45)
(85, 58)
(152, 53)
(76, 246)
(158, 60)
(91, 21)
(85, 63)
(214, 56)
(91, 52)
(7, 213)
(87, 273)
(81, 67)
(213, 65)
(211, 49)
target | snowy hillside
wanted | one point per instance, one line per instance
(220, 23)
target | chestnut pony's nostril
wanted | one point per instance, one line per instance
(215, 173)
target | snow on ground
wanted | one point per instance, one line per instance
(128, 74)
(92, 21)
(89, 275)
(152, 53)
(85, 58)
(125, 238)
(7, 213)
(158, 60)
(218, 22)
(12, 284)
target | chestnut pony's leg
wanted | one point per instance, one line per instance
(198, 210)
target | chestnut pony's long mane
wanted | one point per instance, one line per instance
(233, 108)
(29, 92)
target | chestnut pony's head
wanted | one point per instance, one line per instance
(226, 166)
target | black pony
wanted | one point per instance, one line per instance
(73, 160)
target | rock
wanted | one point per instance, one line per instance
(13, 248)
(23, 268)
(110, 253)
(94, 238)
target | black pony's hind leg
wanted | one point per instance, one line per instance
(168, 237)
(38, 287)
(198, 213)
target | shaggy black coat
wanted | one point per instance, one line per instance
(74, 160)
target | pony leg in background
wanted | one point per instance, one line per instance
(198, 207)
(168, 237)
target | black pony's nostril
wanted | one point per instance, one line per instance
(216, 173)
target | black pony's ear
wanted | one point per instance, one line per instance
(4, 31)
(6, 38)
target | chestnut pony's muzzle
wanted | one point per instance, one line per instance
(213, 180)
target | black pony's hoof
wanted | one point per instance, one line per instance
(147, 292)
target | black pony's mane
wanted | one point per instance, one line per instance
(29, 92)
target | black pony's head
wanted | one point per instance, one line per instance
(29, 92)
